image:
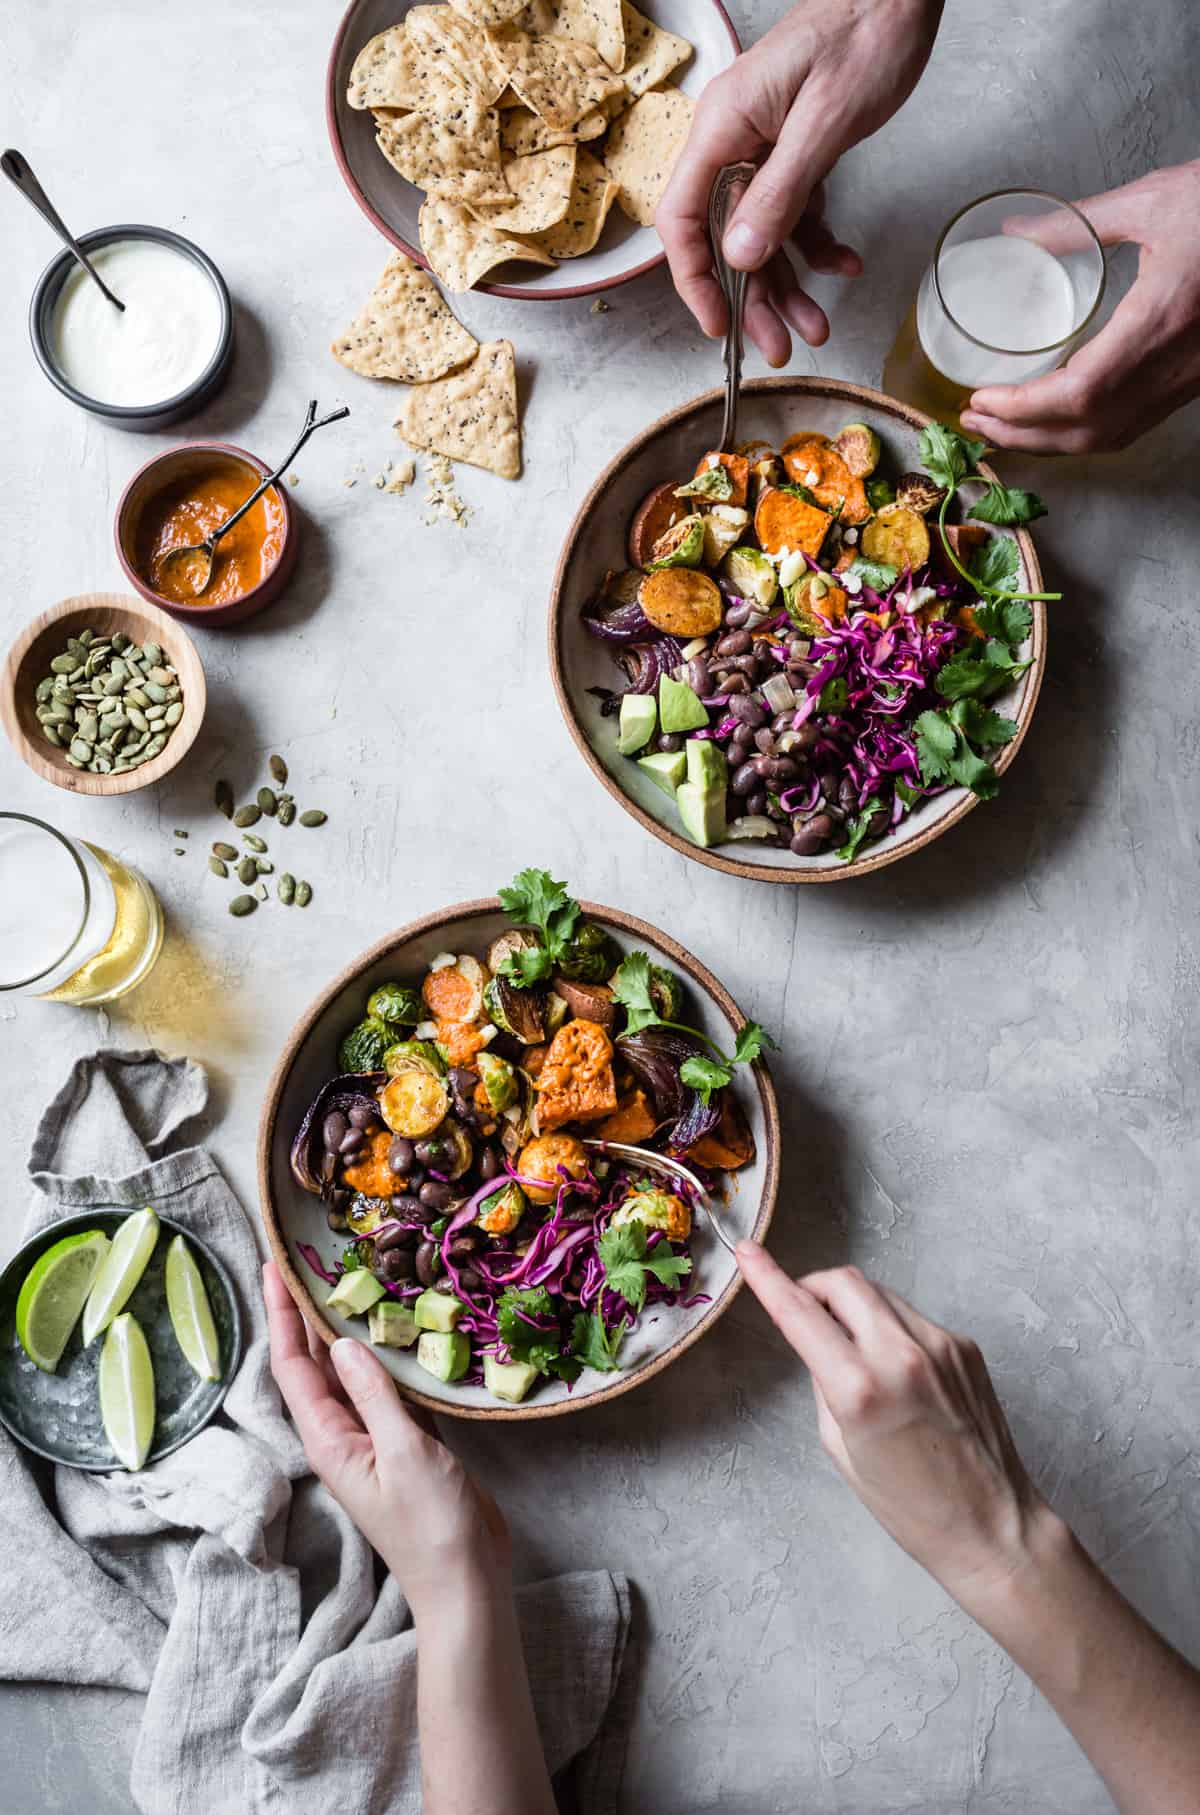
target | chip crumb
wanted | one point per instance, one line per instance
(293, 478)
(442, 497)
(349, 482)
(401, 476)
(600, 307)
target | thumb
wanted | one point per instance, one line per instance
(778, 196)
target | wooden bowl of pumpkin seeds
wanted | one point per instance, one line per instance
(102, 694)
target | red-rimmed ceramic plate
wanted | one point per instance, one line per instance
(625, 250)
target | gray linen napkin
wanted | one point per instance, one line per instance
(224, 1582)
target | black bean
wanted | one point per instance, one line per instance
(362, 1115)
(847, 795)
(756, 803)
(741, 742)
(434, 1195)
(471, 1280)
(397, 1263)
(400, 1155)
(416, 1177)
(783, 721)
(742, 664)
(668, 742)
(799, 674)
(429, 1261)
(732, 684)
(444, 1284)
(329, 1163)
(748, 710)
(351, 1141)
(336, 1218)
(775, 768)
(431, 1152)
(489, 1164)
(744, 780)
(736, 643)
(574, 1280)
(806, 736)
(333, 1130)
(764, 741)
(396, 1238)
(697, 675)
(737, 615)
(814, 835)
(464, 1245)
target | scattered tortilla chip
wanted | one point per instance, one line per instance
(541, 184)
(457, 155)
(496, 13)
(461, 49)
(386, 72)
(556, 78)
(595, 22)
(462, 250)
(594, 193)
(521, 132)
(642, 148)
(650, 52)
(405, 329)
(471, 415)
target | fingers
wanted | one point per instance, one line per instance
(821, 251)
(326, 1426)
(372, 1392)
(762, 322)
(720, 135)
(780, 192)
(816, 1337)
(1114, 216)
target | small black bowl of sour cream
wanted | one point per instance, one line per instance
(157, 360)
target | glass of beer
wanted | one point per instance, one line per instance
(1016, 278)
(76, 925)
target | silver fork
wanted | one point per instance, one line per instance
(726, 193)
(669, 1168)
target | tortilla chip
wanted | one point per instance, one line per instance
(405, 330)
(542, 184)
(642, 148)
(594, 193)
(386, 72)
(555, 77)
(461, 249)
(471, 415)
(460, 48)
(496, 13)
(595, 22)
(457, 155)
(650, 52)
(521, 132)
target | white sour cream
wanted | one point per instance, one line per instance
(158, 346)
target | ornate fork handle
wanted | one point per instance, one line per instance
(726, 193)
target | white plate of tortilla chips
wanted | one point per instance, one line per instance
(519, 146)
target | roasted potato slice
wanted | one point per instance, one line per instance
(589, 1001)
(681, 601)
(785, 520)
(658, 512)
(413, 1104)
(917, 491)
(898, 536)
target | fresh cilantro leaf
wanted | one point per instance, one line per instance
(981, 725)
(878, 575)
(596, 1346)
(528, 965)
(533, 896)
(834, 695)
(937, 740)
(626, 1263)
(704, 1075)
(1009, 620)
(534, 899)
(1000, 504)
(541, 1349)
(994, 567)
(714, 482)
(971, 771)
(858, 829)
(358, 1254)
(910, 796)
(802, 491)
(970, 676)
(631, 988)
(948, 457)
(750, 1043)
(668, 1269)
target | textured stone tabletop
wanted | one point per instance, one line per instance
(990, 1052)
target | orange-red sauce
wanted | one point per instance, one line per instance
(187, 511)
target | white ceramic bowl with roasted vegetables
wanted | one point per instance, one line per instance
(297, 1220)
(667, 454)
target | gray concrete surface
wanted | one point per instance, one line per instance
(989, 1074)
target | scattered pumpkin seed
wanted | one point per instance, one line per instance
(264, 867)
(253, 841)
(303, 894)
(313, 817)
(287, 888)
(287, 812)
(247, 871)
(242, 904)
(279, 770)
(227, 851)
(217, 867)
(223, 799)
(267, 803)
(247, 816)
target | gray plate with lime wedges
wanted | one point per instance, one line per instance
(58, 1414)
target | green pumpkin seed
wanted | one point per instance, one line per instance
(242, 904)
(75, 761)
(287, 888)
(287, 813)
(314, 817)
(82, 749)
(254, 842)
(151, 654)
(89, 727)
(137, 696)
(303, 894)
(264, 866)
(223, 799)
(120, 641)
(267, 802)
(85, 635)
(102, 766)
(51, 736)
(217, 867)
(227, 851)
(247, 816)
(62, 664)
(43, 690)
(279, 769)
(173, 713)
(157, 694)
(247, 871)
(155, 715)
(137, 718)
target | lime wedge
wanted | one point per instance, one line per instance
(52, 1295)
(191, 1313)
(127, 1391)
(132, 1246)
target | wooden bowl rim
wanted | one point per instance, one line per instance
(173, 637)
(625, 923)
(887, 853)
(517, 292)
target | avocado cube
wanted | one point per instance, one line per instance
(509, 1380)
(635, 726)
(392, 1326)
(666, 769)
(679, 707)
(446, 1354)
(702, 813)
(355, 1293)
(707, 766)
(437, 1310)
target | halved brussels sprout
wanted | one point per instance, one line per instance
(556, 1012)
(723, 524)
(459, 1153)
(880, 492)
(749, 570)
(916, 491)
(498, 1078)
(859, 447)
(682, 546)
(363, 1047)
(499, 1215)
(515, 1011)
(396, 1003)
(414, 1055)
(666, 992)
(519, 938)
(714, 482)
(811, 594)
(591, 956)
(656, 1210)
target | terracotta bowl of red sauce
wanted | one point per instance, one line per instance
(181, 496)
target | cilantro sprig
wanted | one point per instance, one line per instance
(631, 987)
(949, 459)
(594, 1343)
(539, 1348)
(533, 898)
(950, 740)
(627, 1261)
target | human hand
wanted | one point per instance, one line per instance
(1145, 362)
(909, 1416)
(404, 1490)
(817, 83)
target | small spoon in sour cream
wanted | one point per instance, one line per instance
(21, 176)
(192, 564)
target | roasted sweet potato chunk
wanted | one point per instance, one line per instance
(681, 601)
(738, 468)
(730, 1144)
(633, 1121)
(658, 512)
(823, 471)
(576, 1082)
(783, 520)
